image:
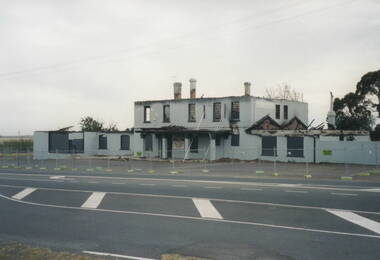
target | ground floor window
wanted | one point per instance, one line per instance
(269, 146)
(148, 140)
(194, 144)
(102, 142)
(217, 140)
(235, 140)
(124, 142)
(295, 146)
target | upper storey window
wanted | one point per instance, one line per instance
(217, 115)
(235, 110)
(166, 113)
(285, 112)
(278, 108)
(192, 113)
(146, 114)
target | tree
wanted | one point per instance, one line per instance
(284, 91)
(112, 127)
(368, 88)
(89, 124)
(352, 113)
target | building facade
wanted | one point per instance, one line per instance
(241, 127)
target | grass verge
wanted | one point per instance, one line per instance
(19, 251)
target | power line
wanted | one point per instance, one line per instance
(15, 74)
(100, 57)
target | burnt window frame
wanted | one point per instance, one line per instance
(146, 108)
(278, 111)
(235, 113)
(189, 113)
(166, 118)
(214, 114)
(126, 145)
(286, 112)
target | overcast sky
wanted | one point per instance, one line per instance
(63, 60)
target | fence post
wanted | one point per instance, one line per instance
(376, 153)
(275, 160)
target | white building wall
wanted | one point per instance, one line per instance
(40, 145)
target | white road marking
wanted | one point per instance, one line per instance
(250, 189)
(94, 200)
(371, 190)
(357, 219)
(268, 184)
(214, 199)
(179, 185)
(22, 194)
(211, 187)
(197, 218)
(206, 209)
(56, 177)
(296, 191)
(118, 183)
(117, 255)
(343, 194)
(147, 184)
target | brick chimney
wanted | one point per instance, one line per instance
(193, 86)
(177, 90)
(247, 88)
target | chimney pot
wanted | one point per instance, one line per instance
(177, 90)
(193, 86)
(247, 88)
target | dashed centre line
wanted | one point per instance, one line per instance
(147, 184)
(343, 194)
(296, 191)
(22, 194)
(118, 183)
(251, 189)
(179, 185)
(212, 187)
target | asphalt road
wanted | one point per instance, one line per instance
(144, 216)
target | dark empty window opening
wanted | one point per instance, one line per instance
(194, 144)
(217, 140)
(148, 140)
(147, 114)
(204, 111)
(102, 142)
(295, 146)
(166, 113)
(278, 108)
(285, 112)
(217, 114)
(124, 142)
(235, 140)
(235, 110)
(58, 142)
(225, 111)
(269, 146)
(191, 112)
